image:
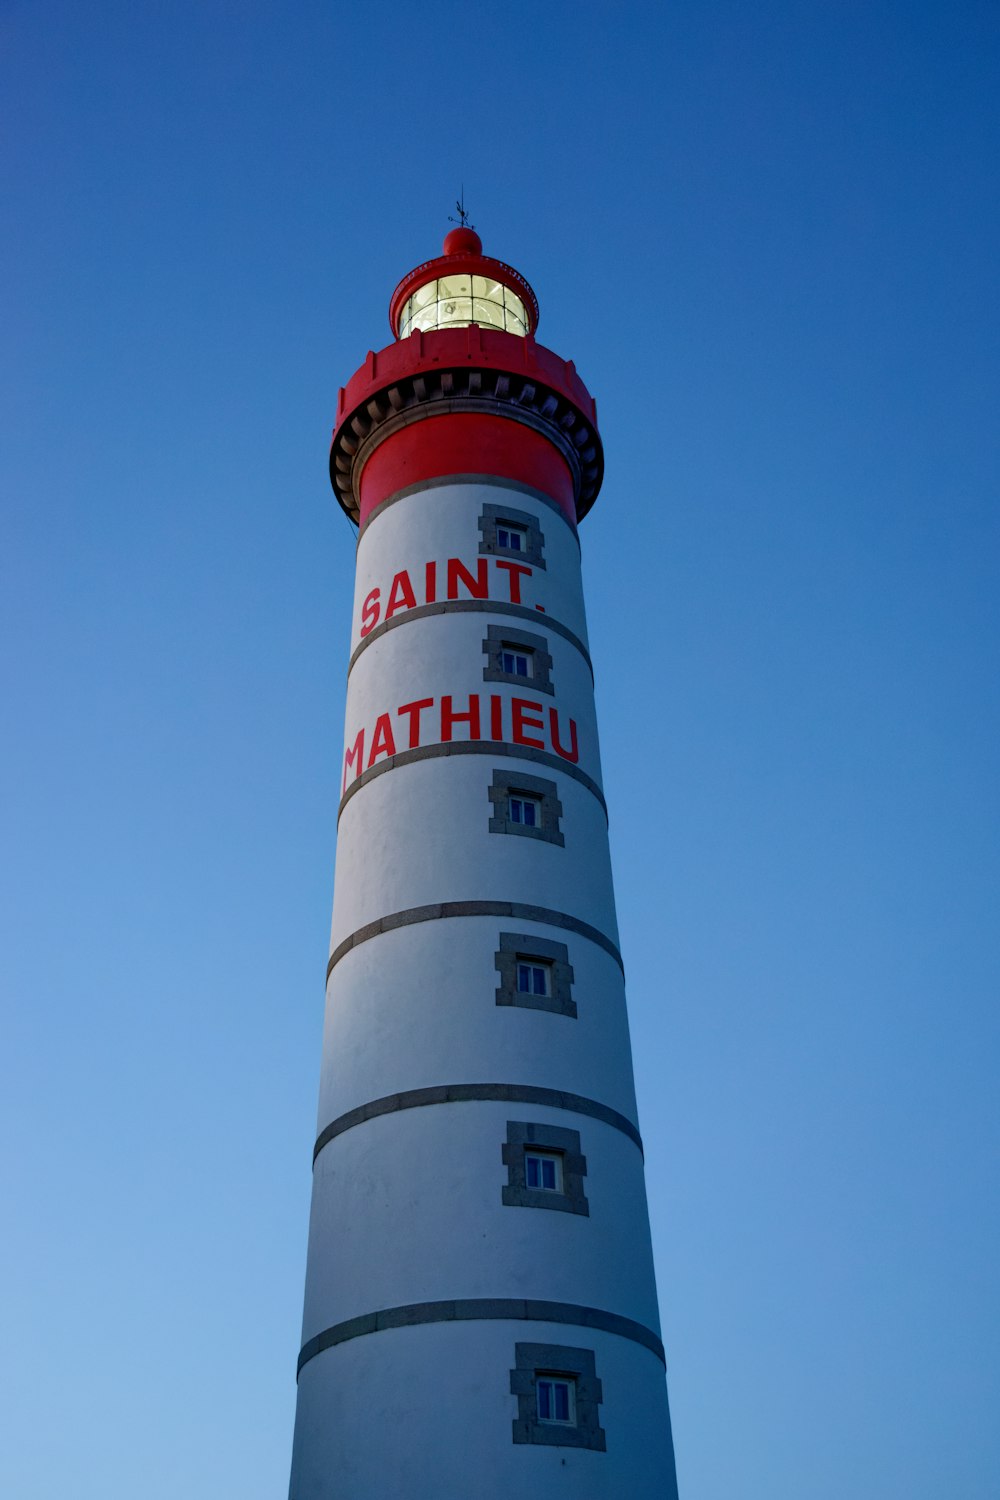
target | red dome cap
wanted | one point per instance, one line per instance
(462, 241)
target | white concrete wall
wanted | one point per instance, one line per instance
(416, 1007)
(425, 1413)
(446, 651)
(416, 1412)
(421, 834)
(441, 522)
(408, 1206)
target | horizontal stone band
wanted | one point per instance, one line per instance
(473, 606)
(464, 1093)
(519, 910)
(495, 748)
(482, 1309)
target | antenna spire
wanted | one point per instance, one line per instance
(463, 215)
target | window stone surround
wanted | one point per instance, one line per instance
(519, 947)
(524, 1135)
(506, 783)
(579, 1365)
(498, 639)
(491, 516)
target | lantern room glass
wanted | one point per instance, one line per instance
(458, 300)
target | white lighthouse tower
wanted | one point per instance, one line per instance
(480, 1307)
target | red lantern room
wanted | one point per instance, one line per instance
(460, 287)
(465, 389)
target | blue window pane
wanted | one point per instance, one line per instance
(545, 1400)
(531, 1166)
(532, 979)
(561, 1392)
(511, 539)
(514, 662)
(548, 1174)
(523, 811)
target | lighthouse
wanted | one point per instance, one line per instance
(480, 1309)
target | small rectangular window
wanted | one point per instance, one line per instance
(534, 978)
(556, 1397)
(512, 538)
(543, 1170)
(526, 811)
(515, 663)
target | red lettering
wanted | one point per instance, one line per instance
(415, 710)
(523, 720)
(496, 716)
(354, 757)
(430, 573)
(382, 740)
(449, 717)
(402, 587)
(478, 587)
(514, 572)
(573, 753)
(370, 612)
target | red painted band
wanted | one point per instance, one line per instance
(466, 443)
(453, 348)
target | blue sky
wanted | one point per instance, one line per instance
(768, 236)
